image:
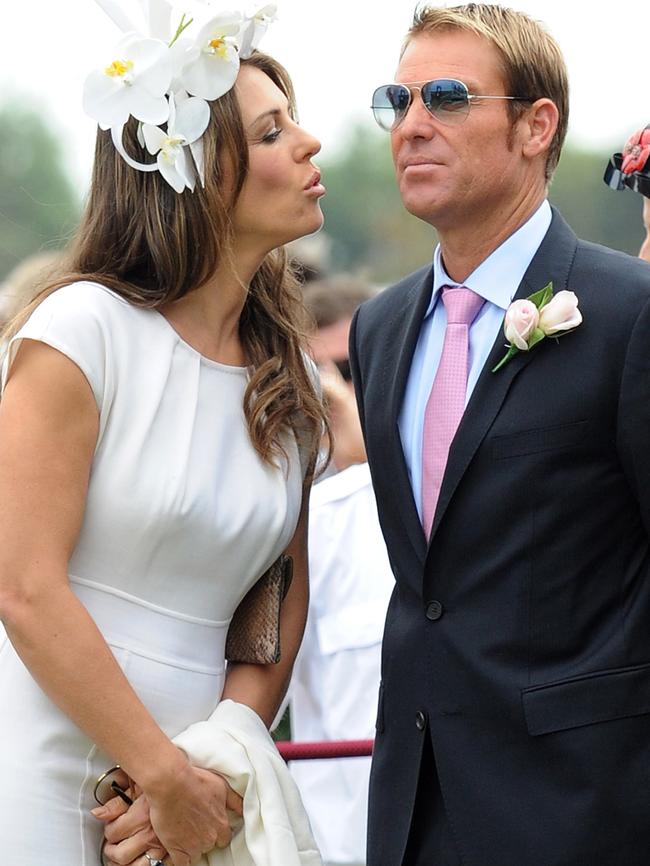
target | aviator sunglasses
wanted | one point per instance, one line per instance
(446, 99)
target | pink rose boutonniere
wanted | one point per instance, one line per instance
(541, 315)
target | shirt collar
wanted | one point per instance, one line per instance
(498, 276)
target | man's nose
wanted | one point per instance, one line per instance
(418, 122)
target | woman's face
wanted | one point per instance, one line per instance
(279, 201)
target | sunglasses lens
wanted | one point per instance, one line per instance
(446, 99)
(389, 105)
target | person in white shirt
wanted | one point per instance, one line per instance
(336, 677)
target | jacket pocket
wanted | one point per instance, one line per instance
(586, 700)
(540, 439)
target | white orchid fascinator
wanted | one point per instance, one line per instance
(163, 77)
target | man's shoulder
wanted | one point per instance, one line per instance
(610, 284)
(611, 264)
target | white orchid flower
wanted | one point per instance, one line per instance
(181, 52)
(187, 123)
(212, 64)
(255, 26)
(165, 77)
(134, 83)
(152, 18)
(158, 18)
(119, 16)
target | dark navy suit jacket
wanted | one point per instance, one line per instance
(518, 639)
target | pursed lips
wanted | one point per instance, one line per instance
(314, 181)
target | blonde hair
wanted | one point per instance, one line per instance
(533, 65)
(152, 246)
(25, 280)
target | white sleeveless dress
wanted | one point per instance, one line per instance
(182, 516)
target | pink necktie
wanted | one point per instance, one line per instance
(446, 402)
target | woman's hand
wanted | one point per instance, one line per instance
(182, 821)
(130, 832)
(190, 816)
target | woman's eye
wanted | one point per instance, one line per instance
(271, 136)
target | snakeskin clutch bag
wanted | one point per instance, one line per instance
(254, 632)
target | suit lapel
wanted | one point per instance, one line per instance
(398, 357)
(552, 261)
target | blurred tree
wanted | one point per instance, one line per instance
(364, 216)
(370, 229)
(38, 204)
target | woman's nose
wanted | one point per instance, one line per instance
(310, 146)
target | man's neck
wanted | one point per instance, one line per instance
(464, 248)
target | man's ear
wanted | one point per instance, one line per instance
(538, 127)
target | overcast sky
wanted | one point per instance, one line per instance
(337, 52)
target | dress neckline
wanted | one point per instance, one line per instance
(210, 362)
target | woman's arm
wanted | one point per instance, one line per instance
(48, 432)
(263, 687)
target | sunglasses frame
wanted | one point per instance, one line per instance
(638, 181)
(419, 86)
(117, 789)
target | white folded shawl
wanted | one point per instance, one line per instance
(234, 742)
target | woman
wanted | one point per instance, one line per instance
(149, 473)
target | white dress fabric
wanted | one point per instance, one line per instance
(335, 684)
(182, 516)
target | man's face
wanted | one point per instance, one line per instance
(449, 175)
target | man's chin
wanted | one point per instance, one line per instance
(426, 211)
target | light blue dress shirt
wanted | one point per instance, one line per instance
(496, 279)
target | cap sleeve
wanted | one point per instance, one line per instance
(75, 320)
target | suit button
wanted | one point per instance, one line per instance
(420, 720)
(434, 610)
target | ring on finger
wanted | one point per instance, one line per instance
(154, 861)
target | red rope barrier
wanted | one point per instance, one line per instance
(291, 751)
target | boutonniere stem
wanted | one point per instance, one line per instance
(543, 314)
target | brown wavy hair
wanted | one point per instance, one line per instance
(153, 246)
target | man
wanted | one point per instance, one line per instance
(513, 725)
(336, 677)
